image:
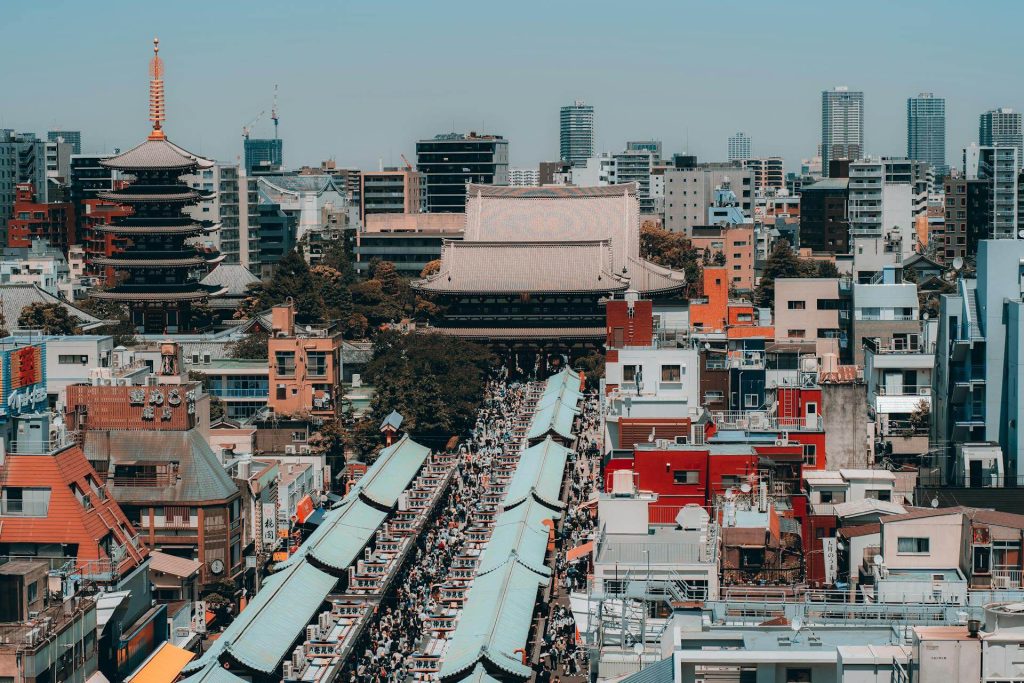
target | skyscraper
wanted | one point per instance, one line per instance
(926, 132)
(577, 133)
(447, 162)
(1000, 128)
(842, 125)
(72, 137)
(263, 155)
(739, 147)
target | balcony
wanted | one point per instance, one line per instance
(759, 420)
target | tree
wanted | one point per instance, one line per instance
(783, 262)
(120, 325)
(252, 346)
(675, 251)
(921, 417)
(51, 318)
(432, 268)
(292, 279)
(592, 365)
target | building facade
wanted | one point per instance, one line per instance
(263, 155)
(824, 217)
(1002, 128)
(52, 222)
(22, 160)
(448, 162)
(842, 125)
(389, 191)
(690, 191)
(886, 193)
(71, 137)
(769, 173)
(739, 147)
(967, 217)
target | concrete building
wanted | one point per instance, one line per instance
(410, 241)
(810, 309)
(926, 132)
(595, 171)
(842, 125)
(576, 132)
(523, 177)
(652, 146)
(23, 158)
(883, 310)
(1000, 165)
(1002, 128)
(886, 193)
(305, 369)
(899, 379)
(634, 166)
(978, 371)
(390, 191)
(690, 191)
(736, 245)
(739, 147)
(449, 161)
(967, 217)
(224, 205)
(769, 173)
(52, 223)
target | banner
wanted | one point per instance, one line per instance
(269, 533)
(830, 556)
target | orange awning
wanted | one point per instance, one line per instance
(579, 551)
(164, 666)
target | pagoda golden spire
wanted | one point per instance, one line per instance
(156, 93)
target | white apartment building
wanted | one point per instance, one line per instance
(886, 193)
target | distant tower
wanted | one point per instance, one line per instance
(1001, 128)
(842, 126)
(157, 274)
(926, 132)
(577, 133)
(739, 147)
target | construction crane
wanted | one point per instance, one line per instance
(247, 128)
(408, 166)
(273, 112)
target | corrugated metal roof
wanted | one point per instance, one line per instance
(539, 473)
(200, 476)
(660, 672)
(264, 631)
(520, 534)
(495, 622)
(342, 535)
(213, 674)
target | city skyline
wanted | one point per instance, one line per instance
(360, 119)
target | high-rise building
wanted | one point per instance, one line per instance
(967, 217)
(263, 155)
(842, 125)
(221, 186)
(449, 161)
(72, 137)
(156, 271)
(926, 132)
(23, 160)
(824, 222)
(58, 161)
(634, 166)
(1001, 128)
(577, 132)
(690, 191)
(887, 193)
(523, 177)
(739, 147)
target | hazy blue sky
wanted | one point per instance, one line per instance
(362, 81)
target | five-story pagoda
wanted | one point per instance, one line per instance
(157, 273)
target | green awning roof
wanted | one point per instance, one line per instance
(519, 533)
(495, 622)
(392, 472)
(539, 473)
(555, 417)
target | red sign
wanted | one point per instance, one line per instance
(303, 509)
(26, 367)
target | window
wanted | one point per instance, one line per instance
(732, 481)
(750, 400)
(1006, 554)
(630, 374)
(671, 376)
(19, 501)
(829, 333)
(685, 477)
(829, 304)
(72, 359)
(714, 396)
(83, 499)
(796, 334)
(285, 362)
(810, 454)
(912, 545)
(796, 305)
(833, 497)
(316, 363)
(878, 494)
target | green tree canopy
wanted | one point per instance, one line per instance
(675, 251)
(50, 318)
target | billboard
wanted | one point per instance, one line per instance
(22, 380)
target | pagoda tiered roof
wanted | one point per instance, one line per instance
(156, 155)
(189, 292)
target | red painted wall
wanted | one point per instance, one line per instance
(625, 330)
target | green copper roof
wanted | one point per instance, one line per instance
(539, 473)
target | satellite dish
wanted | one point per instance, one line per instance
(935, 502)
(958, 263)
(796, 624)
(638, 649)
(745, 487)
(878, 560)
(840, 546)
(707, 346)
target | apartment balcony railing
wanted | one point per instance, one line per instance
(904, 390)
(1006, 578)
(761, 420)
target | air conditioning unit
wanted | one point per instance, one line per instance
(1001, 582)
(288, 671)
(924, 391)
(661, 443)
(357, 380)
(298, 660)
(305, 448)
(311, 632)
(289, 449)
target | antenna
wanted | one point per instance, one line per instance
(273, 112)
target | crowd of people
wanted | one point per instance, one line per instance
(402, 624)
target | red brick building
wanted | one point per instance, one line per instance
(33, 220)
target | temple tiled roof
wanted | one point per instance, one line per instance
(126, 197)
(184, 262)
(520, 332)
(234, 278)
(14, 297)
(156, 154)
(510, 267)
(127, 293)
(182, 228)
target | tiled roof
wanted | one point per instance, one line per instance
(843, 374)
(521, 534)
(859, 530)
(126, 197)
(539, 474)
(923, 513)
(16, 296)
(235, 278)
(200, 476)
(155, 154)
(511, 267)
(172, 564)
